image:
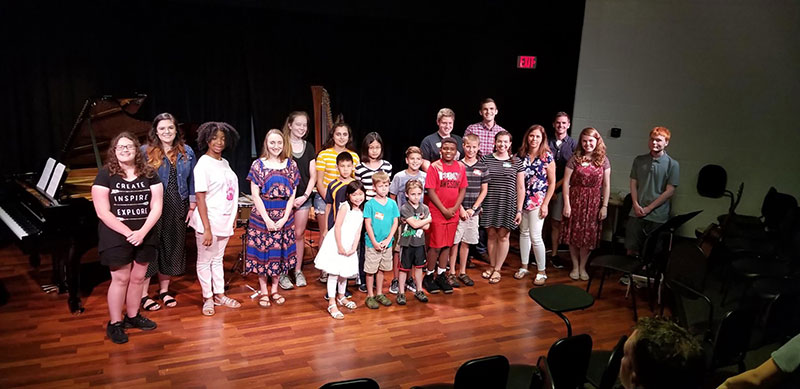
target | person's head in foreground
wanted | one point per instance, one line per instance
(661, 354)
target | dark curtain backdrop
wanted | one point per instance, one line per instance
(387, 69)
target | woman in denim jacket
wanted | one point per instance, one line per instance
(174, 160)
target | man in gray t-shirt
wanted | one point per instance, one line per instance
(432, 144)
(654, 177)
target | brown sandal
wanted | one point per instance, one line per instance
(495, 278)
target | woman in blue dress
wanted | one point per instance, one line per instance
(271, 247)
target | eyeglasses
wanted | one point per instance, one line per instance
(125, 147)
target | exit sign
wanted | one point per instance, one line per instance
(526, 62)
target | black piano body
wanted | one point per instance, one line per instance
(65, 225)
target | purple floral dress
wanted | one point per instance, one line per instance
(535, 181)
(272, 253)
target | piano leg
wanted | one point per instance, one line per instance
(66, 254)
(59, 278)
(73, 277)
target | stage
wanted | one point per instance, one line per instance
(294, 345)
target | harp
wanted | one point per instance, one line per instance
(323, 119)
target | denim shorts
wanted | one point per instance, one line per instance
(308, 203)
(319, 204)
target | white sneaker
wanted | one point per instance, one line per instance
(299, 279)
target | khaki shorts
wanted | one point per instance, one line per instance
(375, 260)
(467, 231)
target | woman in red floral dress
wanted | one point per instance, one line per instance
(586, 190)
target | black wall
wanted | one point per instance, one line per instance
(388, 68)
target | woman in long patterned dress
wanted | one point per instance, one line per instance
(271, 247)
(586, 190)
(174, 161)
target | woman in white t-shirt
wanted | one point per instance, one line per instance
(217, 191)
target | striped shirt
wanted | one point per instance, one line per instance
(364, 174)
(485, 134)
(476, 177)
(326, 164)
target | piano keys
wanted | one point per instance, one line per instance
(65, 225)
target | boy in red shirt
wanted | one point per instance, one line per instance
(446, 184)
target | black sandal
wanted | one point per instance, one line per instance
(169, 301)
(150, 307)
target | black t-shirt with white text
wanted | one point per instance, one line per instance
(130, 203)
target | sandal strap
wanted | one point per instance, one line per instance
(167, 301)
(208, 306)
(336, 315)
(347, 303)
(148, 306)
(227, 301)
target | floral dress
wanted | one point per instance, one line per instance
(535, 181)
(272, 253)
(583, 227)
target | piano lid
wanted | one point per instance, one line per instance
(102, 118)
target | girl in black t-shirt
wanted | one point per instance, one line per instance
(127, 196)
(295, 130)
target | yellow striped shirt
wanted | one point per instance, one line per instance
(326, 164)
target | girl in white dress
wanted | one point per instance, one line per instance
(337, 256)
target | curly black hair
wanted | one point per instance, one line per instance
(207, 130)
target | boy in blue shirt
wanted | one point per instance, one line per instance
(380, 220)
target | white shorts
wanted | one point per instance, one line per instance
(467, 231)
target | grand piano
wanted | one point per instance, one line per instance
(65, 225)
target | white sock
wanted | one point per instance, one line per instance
(439, 270)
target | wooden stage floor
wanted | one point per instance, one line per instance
(296, 345)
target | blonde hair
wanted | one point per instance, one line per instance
(287, 148)
(445, 112)
(379, 177)
(411, 184)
